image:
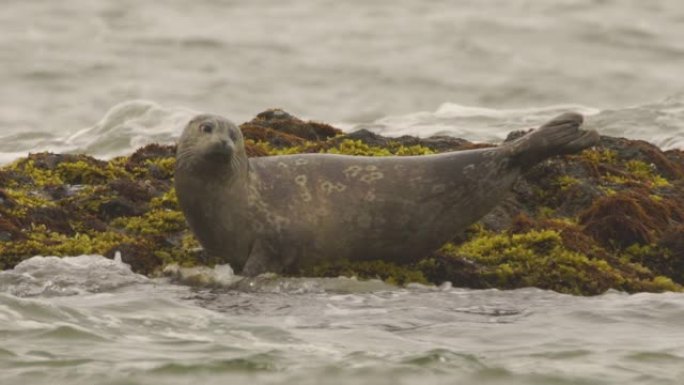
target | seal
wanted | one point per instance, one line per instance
(273, 214)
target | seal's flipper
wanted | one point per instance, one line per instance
(262, 260)
(561, 135)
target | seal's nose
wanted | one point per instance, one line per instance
(220, 147)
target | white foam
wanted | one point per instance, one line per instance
(660, 123)
(130, 125)
(219, 275)
(453, 110)
(476, 124)
(55, 276)
(124, 128)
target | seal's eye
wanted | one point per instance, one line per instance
(207, 128)
(233, 135)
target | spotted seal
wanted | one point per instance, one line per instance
(275, 213)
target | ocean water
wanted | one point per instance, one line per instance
(105, 77)
(87, 319)
(464, 67)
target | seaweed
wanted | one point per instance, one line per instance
(611, 217)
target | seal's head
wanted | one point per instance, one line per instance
(210, 142)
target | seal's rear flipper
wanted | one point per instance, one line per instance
(561, 135)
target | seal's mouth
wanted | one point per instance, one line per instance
(218, 157)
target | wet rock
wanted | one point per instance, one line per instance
(55, 218)
(285, 123)
(59, 192)
(253, 150)
(626, 218)
(643, 151)
(367, 137)
(274, 138)
(435, 143)
(9, 231)
(139, 256)
(120, 207)
(50, 161)
(513, 135)
(94, 224)
(5, 199)
(501, 217)
(133, 190)
(609, 217)
(150, 152)
(460, 271)
(280, 129)
(668, 260)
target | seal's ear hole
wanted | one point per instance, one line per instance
(207, 128)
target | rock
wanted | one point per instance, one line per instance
(435, 143)
(138, 255)
(5, 200)
(280, 129)
(609, 217)
(9, 231)
(119, 207)
(283, 122)
(150, 152)
(133, 190)
(54, 218)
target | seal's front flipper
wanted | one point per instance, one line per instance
(561, 135)
(260, 261)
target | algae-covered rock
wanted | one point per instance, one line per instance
(611, 217)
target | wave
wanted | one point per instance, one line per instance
(54, 276)
(132, 124)
(124, 128)
(661, 123)
(41, 276)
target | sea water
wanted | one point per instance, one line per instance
(468, 68)
(88, 319)
(105, 77)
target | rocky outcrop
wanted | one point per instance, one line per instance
(611, 217)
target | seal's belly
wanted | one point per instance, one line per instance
(371, 223)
